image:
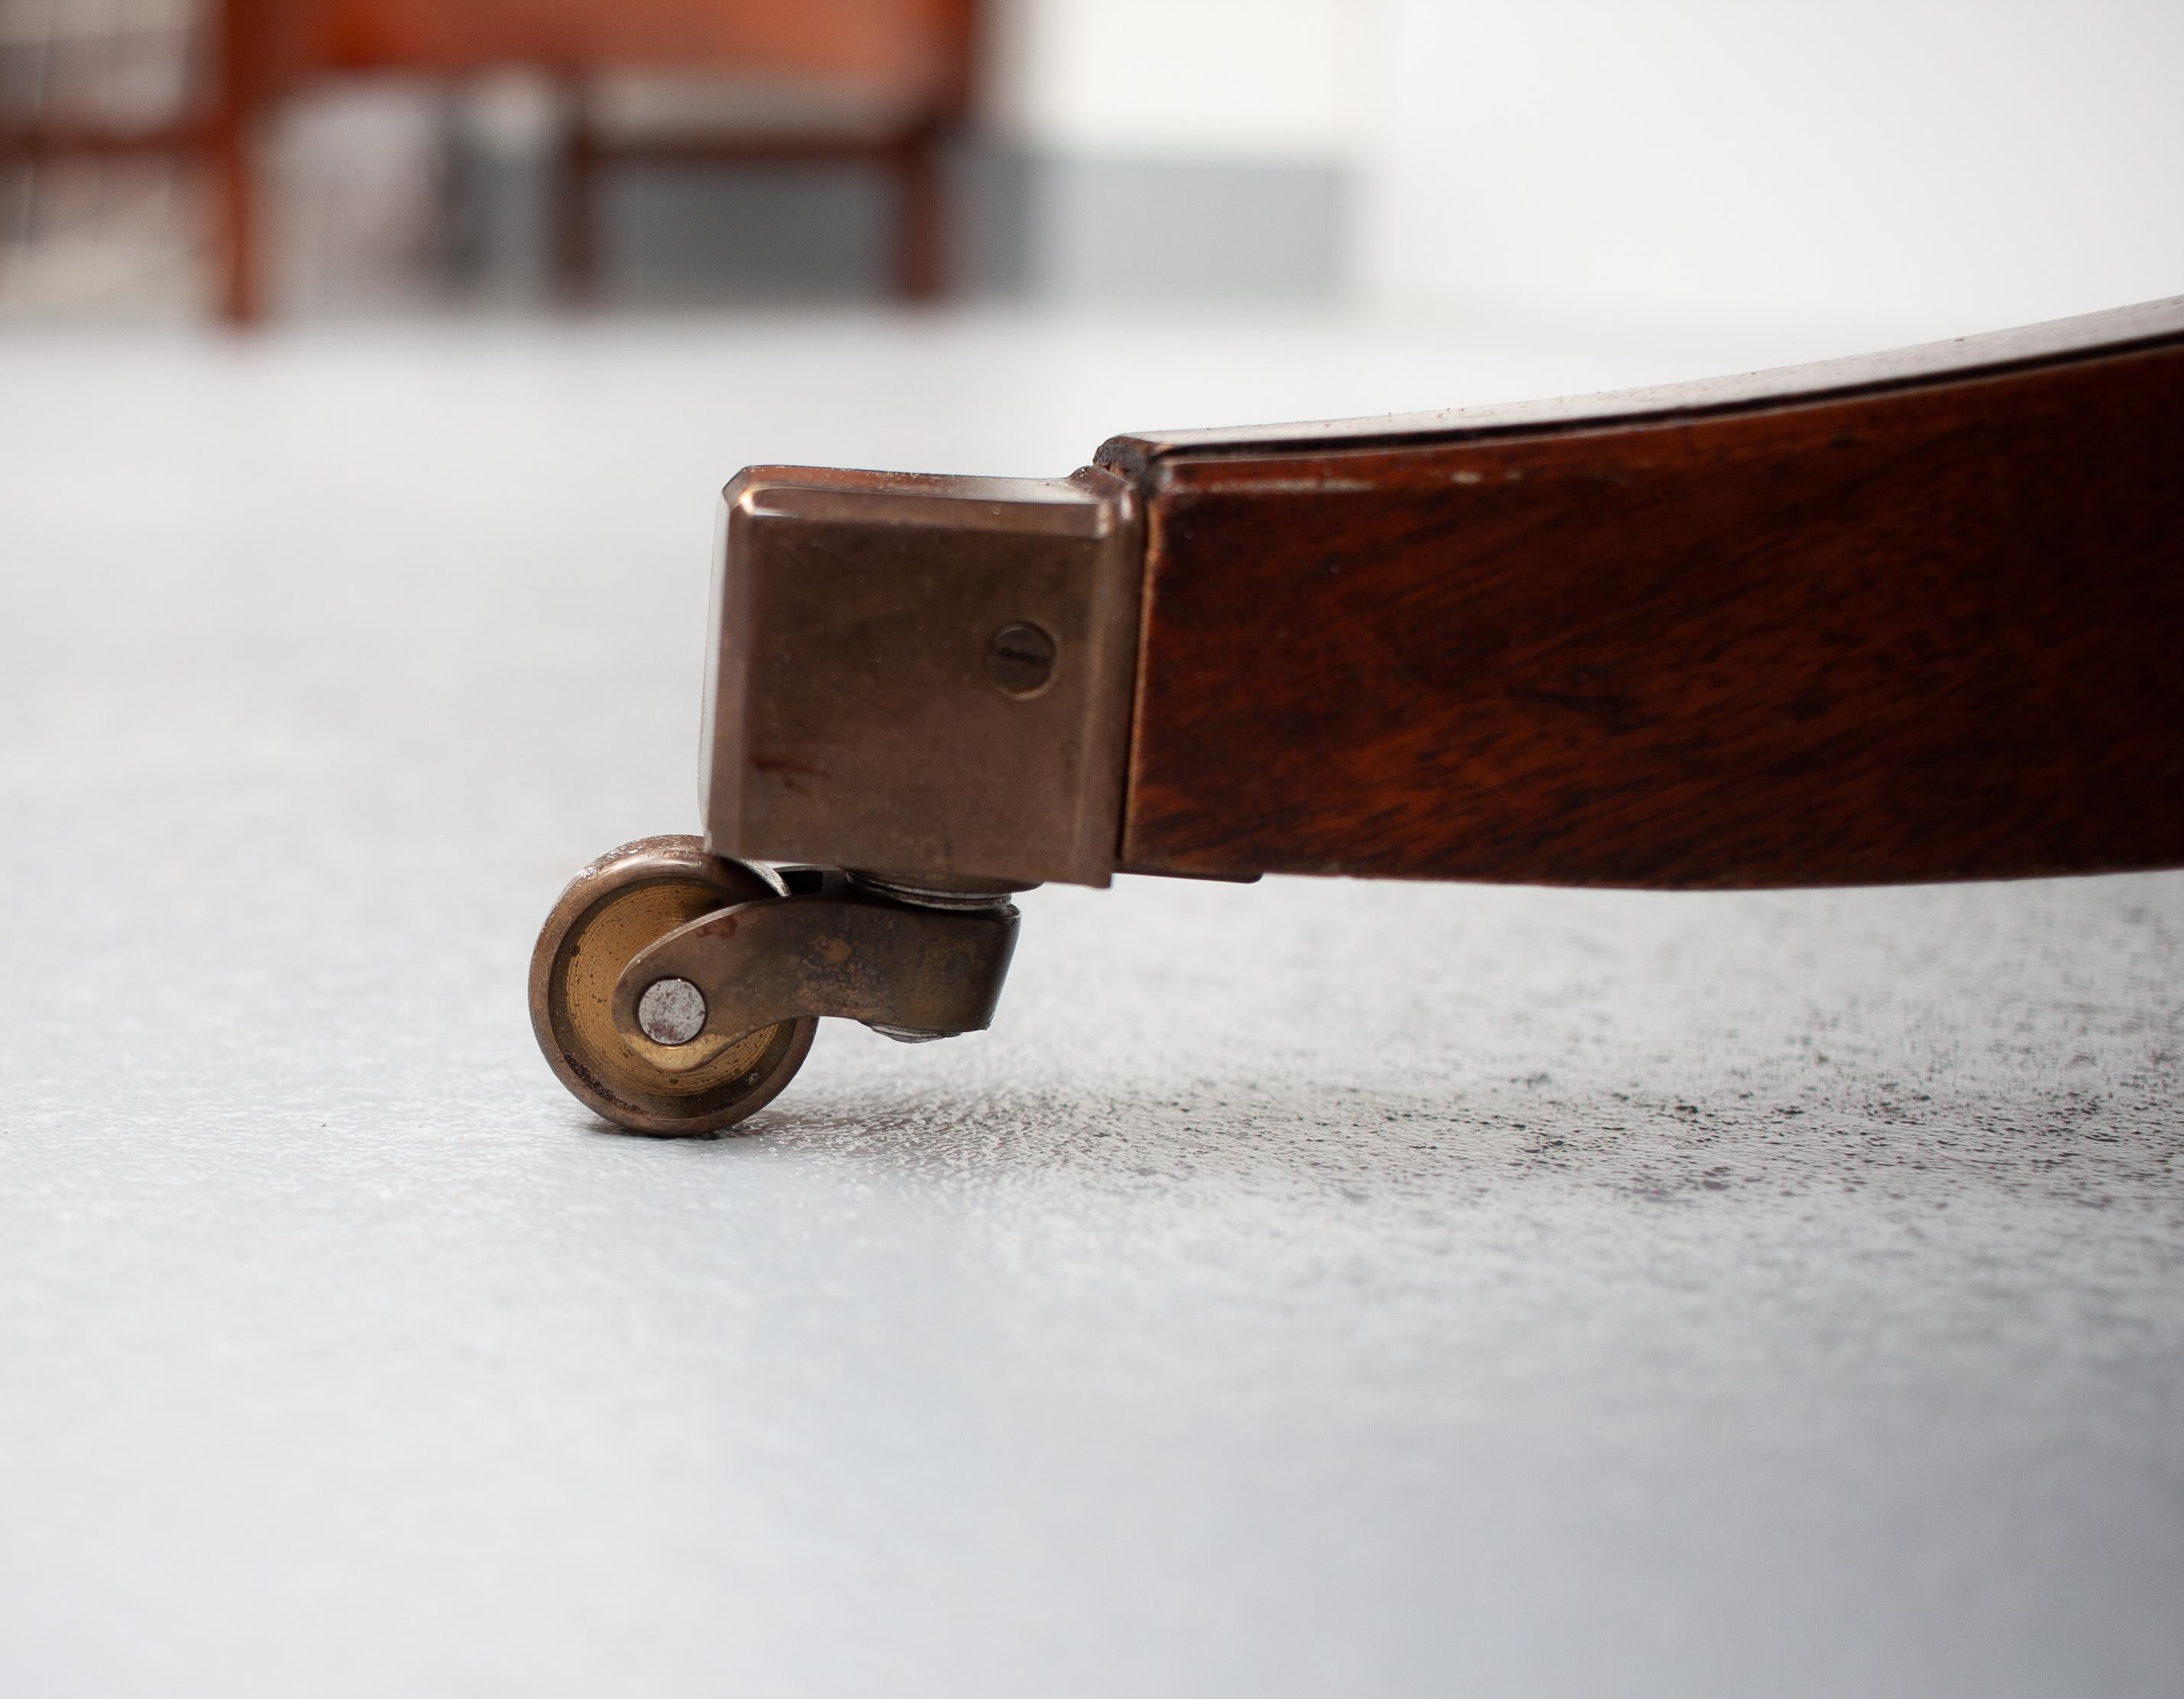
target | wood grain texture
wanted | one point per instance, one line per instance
(1916, 617)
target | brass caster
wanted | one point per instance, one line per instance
(675, 992)
(616, 908)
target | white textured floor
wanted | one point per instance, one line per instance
(1306, 1288)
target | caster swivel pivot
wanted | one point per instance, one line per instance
(676, 992)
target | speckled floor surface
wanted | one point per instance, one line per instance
(1305, 1289)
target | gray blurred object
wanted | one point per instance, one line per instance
(1091, 227)
(666, 118)
(504, 136)
(661, 229)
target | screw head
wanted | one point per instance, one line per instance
(671, 1011)
(1020, 659)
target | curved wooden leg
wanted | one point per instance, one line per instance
(1913, 617)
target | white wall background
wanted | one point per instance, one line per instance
(1979, 161)
(1940, 164)
(1270, 79)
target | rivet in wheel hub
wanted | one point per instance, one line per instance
(671, 1011)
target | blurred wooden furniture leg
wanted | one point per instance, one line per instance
(576, 198)
(230, 135)
(235, 227)
(920, 228)
(927, 230)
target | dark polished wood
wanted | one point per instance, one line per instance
(1918, 616)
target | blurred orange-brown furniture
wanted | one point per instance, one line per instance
(879, 81)
(208, 120)
(882, 82)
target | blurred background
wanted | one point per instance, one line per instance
(1935, 166)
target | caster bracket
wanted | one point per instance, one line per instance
(837, 952)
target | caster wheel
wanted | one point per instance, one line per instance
(616, 907)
